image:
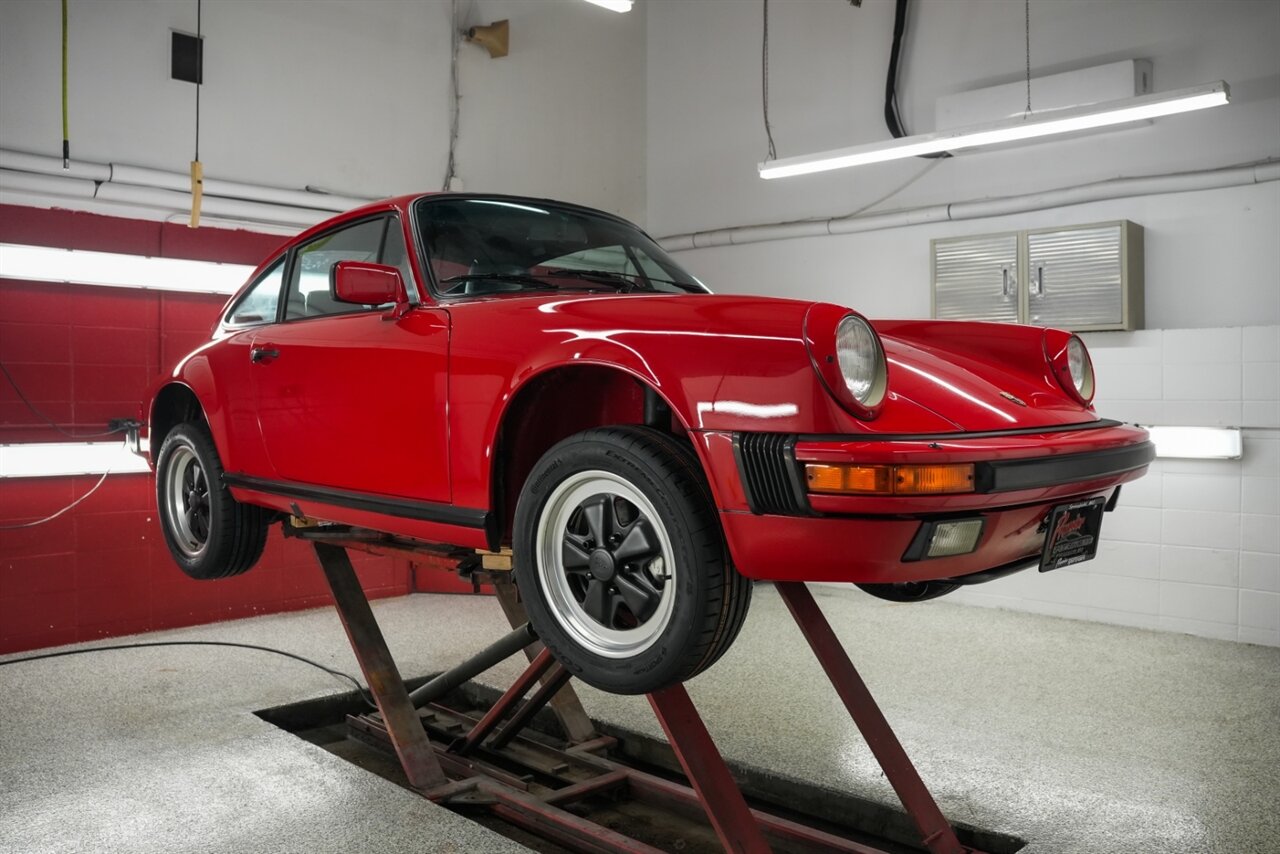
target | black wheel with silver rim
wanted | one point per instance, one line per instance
(209, 533)
(186, 497)
(621, 562)
(604, 561)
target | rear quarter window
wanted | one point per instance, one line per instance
(261, 302)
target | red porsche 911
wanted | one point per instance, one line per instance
(490, 371)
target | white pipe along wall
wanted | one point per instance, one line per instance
(155, 188)
(1116, 188)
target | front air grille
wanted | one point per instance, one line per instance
(769, 474)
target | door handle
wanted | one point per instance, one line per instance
(1008, 283)
(1037, 282)
(259, 354)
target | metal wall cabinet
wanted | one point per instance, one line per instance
(1082, 278)
(976, 278)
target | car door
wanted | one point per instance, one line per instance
(226, 368)
(348, 398)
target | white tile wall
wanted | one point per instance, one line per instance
(1195, 545)
(1260, 572)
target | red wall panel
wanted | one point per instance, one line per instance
(83, 355)
(103, 569)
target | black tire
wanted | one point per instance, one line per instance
(644, 493)
(209, 533)
(910, 591)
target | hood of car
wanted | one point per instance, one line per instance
(744, 361)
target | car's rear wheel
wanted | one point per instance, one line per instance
(910, 591)
(621, 562)
(209, 533)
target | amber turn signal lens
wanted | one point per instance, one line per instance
(889, 480)
(933, 479)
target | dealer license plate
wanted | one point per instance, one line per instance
(1072, 535)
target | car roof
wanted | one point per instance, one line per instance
(404, 202)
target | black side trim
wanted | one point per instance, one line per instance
(942, 437)
(426, 511)
(770, 476)
(1054, 471)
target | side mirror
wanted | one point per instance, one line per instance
(362, 283)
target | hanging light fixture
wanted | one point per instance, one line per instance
(615, 5)
(1016, 129)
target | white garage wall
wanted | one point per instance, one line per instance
(350, 95)
(827, 63)
(1193, 546)
(1212, 258)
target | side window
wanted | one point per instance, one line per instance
(260, 302)
(308, 292)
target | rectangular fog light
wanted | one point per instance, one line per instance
(954, 538)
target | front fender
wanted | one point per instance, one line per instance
(216, 374)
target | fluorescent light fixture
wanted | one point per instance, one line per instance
(48, 264)
(1007, 130)
(59, 459)
(614, 5)
(1198, 443)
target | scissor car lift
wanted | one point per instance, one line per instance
(458, 759)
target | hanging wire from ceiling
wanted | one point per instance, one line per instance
(66, 132)
(764, 84)
(892, 115)
(197, 168)
(199, 71)
(1027, 18)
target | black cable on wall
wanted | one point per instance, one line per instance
(892, 115)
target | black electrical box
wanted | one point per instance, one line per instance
(188, 58)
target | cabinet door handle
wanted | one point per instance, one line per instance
(1009, 283)
(1037, 282)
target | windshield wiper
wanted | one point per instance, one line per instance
(528, 281)
(631, 280)
(624, 282)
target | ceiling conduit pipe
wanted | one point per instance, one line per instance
(50, 185)
(20, 161)
(143, 177)
(214, 206)
(1116, 188)
(117, 182)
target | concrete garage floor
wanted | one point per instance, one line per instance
(1075, 736)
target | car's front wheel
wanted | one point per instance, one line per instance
(209, 533)
(621, 562)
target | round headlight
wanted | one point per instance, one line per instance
(848, 357)
(861, 362)
(1080, 368)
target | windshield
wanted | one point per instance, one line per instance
(481, 247)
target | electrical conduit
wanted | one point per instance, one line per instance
(135, 185)
(1116, 188)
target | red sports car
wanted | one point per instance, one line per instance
(485, 371)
